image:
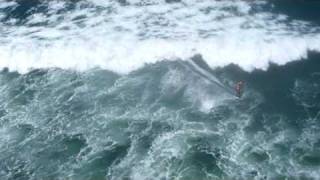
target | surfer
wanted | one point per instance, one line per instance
(239, 89)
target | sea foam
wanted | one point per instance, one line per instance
(123, 37)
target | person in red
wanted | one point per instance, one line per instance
(239, 89)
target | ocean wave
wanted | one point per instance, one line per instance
(123, 37)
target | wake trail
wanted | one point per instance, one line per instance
(210, 76)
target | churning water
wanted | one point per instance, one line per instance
(143, 89)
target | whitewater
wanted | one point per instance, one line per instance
(124, 36)
(145, 90)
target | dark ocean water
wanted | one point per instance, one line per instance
(70, 110)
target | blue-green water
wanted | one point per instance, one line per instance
(72, 107)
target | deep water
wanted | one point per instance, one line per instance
(163, 121)
(145, 90)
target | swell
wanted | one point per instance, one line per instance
(166, 120)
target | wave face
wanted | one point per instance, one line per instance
(164, 121)
(144, 90)
(123, 35)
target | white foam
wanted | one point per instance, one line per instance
(124, 38)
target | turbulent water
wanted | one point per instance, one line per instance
(144, 89)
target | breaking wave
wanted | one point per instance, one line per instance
(125, 35)
(144, 90)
